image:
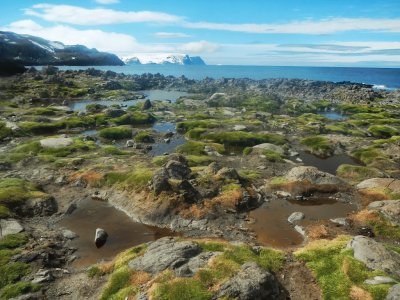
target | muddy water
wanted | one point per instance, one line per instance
(273, 229)
(122, 231)
(329, 164)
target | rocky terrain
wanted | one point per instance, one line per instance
(245, 189)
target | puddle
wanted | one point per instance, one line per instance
(164, 127)
(161, 148)
(329, 164)
(273, 229)
(332, 115)
(150, 94)
(122, 231)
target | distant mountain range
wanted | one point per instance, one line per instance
(163, 59)
(31, 50)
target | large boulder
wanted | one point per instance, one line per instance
(9, 226)
(165, 253)
(160, 181)
(394, 293)
(313, 176)
(393, 185)
(269, 147)
(41, 206)
(228, 173)
(56, 143)
(390, 209)
(374, 255)
(251, 282)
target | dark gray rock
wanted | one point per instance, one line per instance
(252, 282)
(165, 253)
(177, 170)
(189, 193)
(374, 255)
(100, 237)
(45, 206)
(114, 112)
(147, 105)
(295, 217)
(228, 173)
(160, 181)
(194, 264)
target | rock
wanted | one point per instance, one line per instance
(283, 194)
(45, 206)
(114, 112)
(56, 143)
(169, 134)
(5, 166)
(100, 237)
(177, 169)
(379, 280)
(142, 296)
(296, 216)
(313, 176)
(394, 293)
(147, 105)
(251, 282)
(189, 193)
(390, 209)
(211, 169)
(61, 180)
(210, 151)
(42, 276)
(160, 181)
(9, 226)
(228, 173)
(194, 264)
(70, 209)
(300, 230)
(366, 231)
(293, 153)
(129, 143)
(239, 128)
(340, 221)
(68, 234)
(374, 255)
(270, 147)
(167, 141)
(165, 253)
(393, 185)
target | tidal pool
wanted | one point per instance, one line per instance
(122, 231)
(273, 229)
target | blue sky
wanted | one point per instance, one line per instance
(257, 32)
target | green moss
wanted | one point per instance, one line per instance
(211, 246)
(247, 150)
(349, 108)
(14, 191)
(198, 160)
(384, 228)
(357, 173)
(267, 258)
(17, 289)
(188, 125)
(144, 137)
(12, 272)
(369, 155)
(195, 133)
(244, 139)
(392, 140)
(113, 150)
(40, 128)
(278, 180)
(337, 271)
(382, 131)
(94, 271)
(160, 160)
(183, 289)
(4, 131)
(116, 133)
(4, 212)
(318, 144)
(119, 279)
(13, 241)
(250, 174)
(273, 156)
(137, 179)
(134, 118)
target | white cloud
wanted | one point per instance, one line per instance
(99, 16)
(104, 41)
(107, 1)
(171, 35)
(199, 47)
(312, 27)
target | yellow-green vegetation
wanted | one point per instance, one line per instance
(337, 271)
(392, 140)
(369, 155)
(143, 137)
(136, 179)
(4, 131)
(198, 160)
(197, 148)
(14, 191)
(11, 272)
(33, 148)
(318, 145)
(188, 125)
(349, 108)
(195, 133)
(273, 156)
(113, 150)
(123, 282)
(134, 118)
(244, 139)
(250, 174)
(383, 227)
(160, 160)
(357, 173)
(116, 133)
(382, 131)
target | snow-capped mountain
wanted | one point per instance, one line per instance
(164, 59)
(32, 50)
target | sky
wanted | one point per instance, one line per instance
(227, 32)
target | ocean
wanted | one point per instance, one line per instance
(381, 78)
